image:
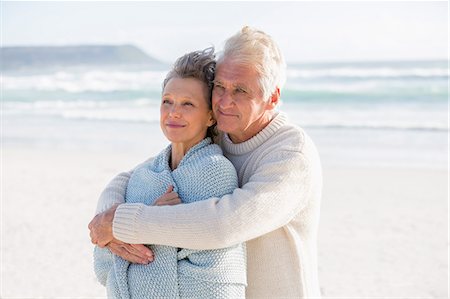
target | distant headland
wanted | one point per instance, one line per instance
(17, 58)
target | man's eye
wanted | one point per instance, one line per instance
(218, 89)
(240, 90)
(188, 104)
(166, 101)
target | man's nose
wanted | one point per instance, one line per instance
(225, 100)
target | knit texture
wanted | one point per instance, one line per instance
(178, 272)
(275, 211)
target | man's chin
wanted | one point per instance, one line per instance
(224, 126)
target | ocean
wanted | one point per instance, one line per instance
(365, 113)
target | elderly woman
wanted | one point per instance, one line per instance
(197, 170)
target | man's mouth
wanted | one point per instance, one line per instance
(220, 112)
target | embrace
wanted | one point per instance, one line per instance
(230, 208)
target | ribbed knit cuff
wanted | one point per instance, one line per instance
(125, 222)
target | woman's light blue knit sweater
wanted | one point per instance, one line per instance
(178, 273)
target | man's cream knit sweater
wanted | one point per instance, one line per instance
(275, 211)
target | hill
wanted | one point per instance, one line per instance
(16, 58)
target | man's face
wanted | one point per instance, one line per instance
(238, 103)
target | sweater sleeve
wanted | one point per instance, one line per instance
(103, 262)
(279, 188)
(115, 191)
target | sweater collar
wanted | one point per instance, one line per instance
(247, 146)
(168, 151)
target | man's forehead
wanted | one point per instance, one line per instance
(233, 73)
(233, 64)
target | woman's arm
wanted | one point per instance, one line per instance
(103, 262)
(114, 193)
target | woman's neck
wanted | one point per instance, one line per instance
(179, 150)
(177, 155)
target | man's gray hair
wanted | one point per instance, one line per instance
(258, 49)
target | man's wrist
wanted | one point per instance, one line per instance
(109, 217)
(125, 223)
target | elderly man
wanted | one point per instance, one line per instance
(275, 210)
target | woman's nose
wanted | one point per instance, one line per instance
(174, 111)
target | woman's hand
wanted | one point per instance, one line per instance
(169, 198)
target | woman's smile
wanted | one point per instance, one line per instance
(175, 125)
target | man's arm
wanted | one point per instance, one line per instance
(279, 189)
(101, 230)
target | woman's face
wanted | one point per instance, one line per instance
(184, 113)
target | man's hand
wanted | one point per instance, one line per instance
(101, 227)
(102, 235)
(134, 253)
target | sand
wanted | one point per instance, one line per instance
(383, 231)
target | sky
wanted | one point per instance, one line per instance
(306, 31)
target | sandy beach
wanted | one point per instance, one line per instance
(383, 231)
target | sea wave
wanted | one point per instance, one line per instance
(342, 78)
(140, 109)
(86, 81)
(80, 103)
(382, 72)
(381, 126)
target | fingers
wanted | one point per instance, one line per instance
(142, 250)
(92, 234)
(170, 189)
(168, 202)
(123, 253)
(129, 252)
(94, 239)
(147, 252)
(169, 198)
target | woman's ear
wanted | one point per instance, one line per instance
(211, 120)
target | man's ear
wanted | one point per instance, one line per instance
(274, 99)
